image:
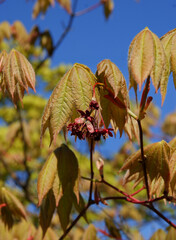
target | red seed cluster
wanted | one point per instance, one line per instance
(86, 126)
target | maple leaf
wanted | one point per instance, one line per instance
(73, 92)
(146, 57)
(17, 75)
(157, 165)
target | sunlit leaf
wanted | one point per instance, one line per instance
(141, 56)
(90, 233)
(19, 32)
(66, 4)
(73, 92)
(41, 6)
(169, 124)
(5, 30)
(18, 75)
(108, 71)
(159, 235)
(157, 164)
(159, 61)
(171, 234)
(46, 177)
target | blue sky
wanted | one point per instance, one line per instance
(93, 38)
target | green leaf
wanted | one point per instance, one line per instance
(5, 30)
(64, 208)
(113, 114)
(46, 211)
(173, 59)
(46, 177)
(90, 233)
(18, 75)
(171, 234)
(159, 61)
(57, 189)
(67, 166)
(109, 71)
(41, 6)
(141, 56)
(159, 235)
(79, 206)
(157, 164)
(13, 208)
(73, 92)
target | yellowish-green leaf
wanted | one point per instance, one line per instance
(173, 59)
(46, 211)
(90, 233)
(5, 30)
(13, 208)
(107, 70)
(18, 75)
(41, 6)
(46, 177)
(159, 61)
(157, 164)
(164, 79)
(160, 234)
(167, 42)
(73, 92)
(171, 234)
(57, 189)
(113, 114)
(19, 32)
(141, 56)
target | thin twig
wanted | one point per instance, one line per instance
(89, 9)
(143, 158)
(91, 171)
